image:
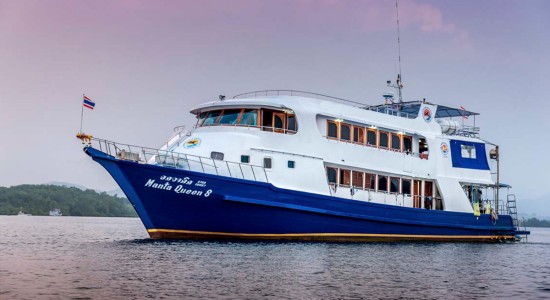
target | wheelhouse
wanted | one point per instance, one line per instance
(266, 119)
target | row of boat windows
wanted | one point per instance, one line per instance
(245, 159)
(374, 182)
(373, 137)
(266, 119)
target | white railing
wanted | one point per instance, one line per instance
(171, 159)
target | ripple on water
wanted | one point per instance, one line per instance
(112, 258)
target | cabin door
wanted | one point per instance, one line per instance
(278, 122)
(416, 193)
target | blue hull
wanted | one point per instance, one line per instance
(175, 203)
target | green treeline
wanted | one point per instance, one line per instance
(534, 222)
(40, 199)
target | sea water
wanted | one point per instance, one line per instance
(113, 258)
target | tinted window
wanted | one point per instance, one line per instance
(267, 162)
(332, 130)
(345, 132)
(230, 116)
(344, 177)
(358, 179)
(406, 186)
(250, 117)
(216, 155)
(371, 137)
(358, 134)
(395, 142)
(370, 181)
(291, 164)
(383, 139)
(291, 124)
(245, 159)
(394, 185)
(278, 121)
(202, 116)
(331, 175)
(382, 183)
(407, 144)
(211, 118)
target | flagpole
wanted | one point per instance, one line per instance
(81, 113)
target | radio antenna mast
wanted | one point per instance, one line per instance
(398, 83)
(399, 79)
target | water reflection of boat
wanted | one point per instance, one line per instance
(22, 214)
(56, 212)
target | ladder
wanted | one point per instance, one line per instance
(512, 209)
(513, 212)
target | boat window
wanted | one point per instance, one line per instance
(394, 185)
(245, 159)
(279, 122)
(201, 117)
(358, 135)
(383, 139)
(332, 129)
(406, 186)
(407, 144)
(291, 164)
(382, 183)
(331, 175)
(423, 148)
(345, 132)
(468, 151)
(268, 163)
(291, 123)
(216, 155)
(395, 142)
(211, 118)
(371, 137)
(267, 120)
(249, 117)
(230, 116)
(370, 181)
(358, 179)
(344, 177)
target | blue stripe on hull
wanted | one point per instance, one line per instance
(246, 209)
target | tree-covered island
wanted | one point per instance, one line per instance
(38, 200)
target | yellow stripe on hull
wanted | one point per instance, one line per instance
(328, 237)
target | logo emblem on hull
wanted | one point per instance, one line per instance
(427, 114)
(444, 148)
(192, 143)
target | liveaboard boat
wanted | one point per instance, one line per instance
(290, 165)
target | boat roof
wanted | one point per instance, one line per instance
(443, 111)
(409, 109)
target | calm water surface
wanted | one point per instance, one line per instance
(112, 258)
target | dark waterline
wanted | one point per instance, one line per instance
(112, 258)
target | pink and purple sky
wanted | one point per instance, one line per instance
(145, 63)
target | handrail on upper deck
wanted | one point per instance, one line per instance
(295, 93)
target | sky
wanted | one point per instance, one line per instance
(146, 63)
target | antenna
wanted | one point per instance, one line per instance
(399, 80)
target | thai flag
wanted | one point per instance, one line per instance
(88, 103)
(464, 116)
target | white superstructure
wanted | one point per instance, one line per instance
(395, 154)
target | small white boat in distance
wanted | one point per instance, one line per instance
(56, 212)
(22, 214)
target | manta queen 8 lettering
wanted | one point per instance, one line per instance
(185, 186)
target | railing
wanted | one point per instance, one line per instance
(468, 131)
(390, 111)
(380, 109)
(265, 93)
(171, 159)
